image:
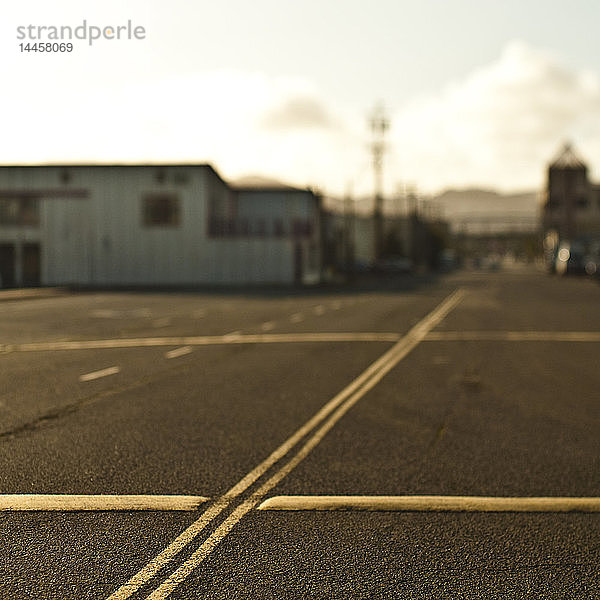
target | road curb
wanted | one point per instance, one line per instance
(30, 293)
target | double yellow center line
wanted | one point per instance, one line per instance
(316, 428)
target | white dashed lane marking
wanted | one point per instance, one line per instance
(177, 352)
(107, 313)
(268, 326)
(297, 318)
(104, 313)
(98, 374)
(141, 313)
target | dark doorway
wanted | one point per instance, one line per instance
(7, 265)
(298, 263)
(31, 264)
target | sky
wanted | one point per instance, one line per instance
(478, 93)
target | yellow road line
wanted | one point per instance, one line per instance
(287, 338)
(432, 503)
(98, 502)
(514, 336)
(319, 425)
(205, 340)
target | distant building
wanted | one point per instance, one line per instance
(572, 203)
(123, 225)
(410, 235)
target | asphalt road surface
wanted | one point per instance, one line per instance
(201, 407)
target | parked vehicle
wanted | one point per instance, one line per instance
(448, 260)
(592, 259)
(394, 264)
(570, 259)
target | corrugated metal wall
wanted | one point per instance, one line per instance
(94, 233)
(65, 241)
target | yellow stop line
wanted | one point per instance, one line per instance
(433, 503)
(99, 502)
(175, 502)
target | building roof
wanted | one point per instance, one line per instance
(113, 165)
(567, 159)
(244, 184)
(88, 165)
(255, 183)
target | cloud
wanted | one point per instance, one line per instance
(300, 112)
(497, 127)
(239, 121)
(500, 125)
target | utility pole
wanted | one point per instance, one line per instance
(349, 234)
(379, 125)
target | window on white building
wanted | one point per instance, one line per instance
(279, 228)
(161, 209)
(20, 211)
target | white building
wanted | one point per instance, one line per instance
(152, 225)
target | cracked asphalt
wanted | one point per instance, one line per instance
(480, 417)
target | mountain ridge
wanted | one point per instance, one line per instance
(480, 201)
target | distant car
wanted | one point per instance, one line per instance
(570, 259)
(492, 262)
(592, 259)
(395, 264)
(448, 261)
